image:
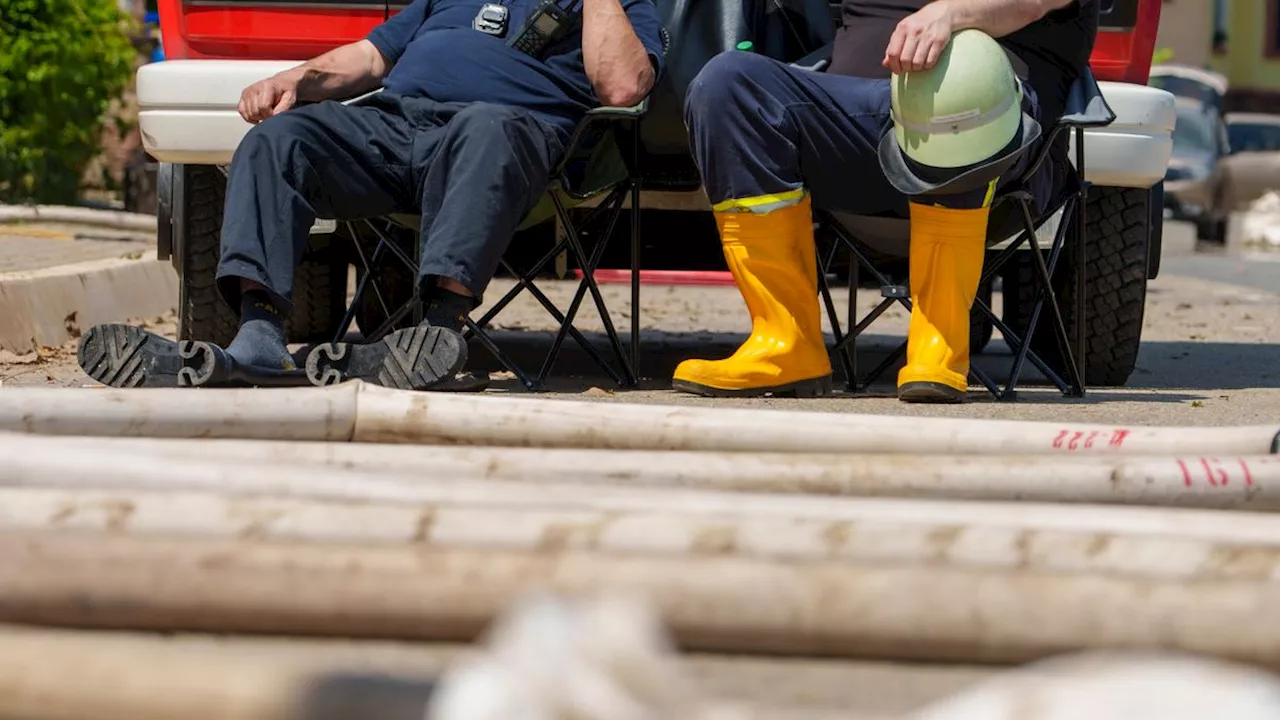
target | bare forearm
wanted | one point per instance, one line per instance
(999, 17)
(340, 73)
(614, 58)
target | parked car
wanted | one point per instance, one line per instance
(1253, 168)
(1209, 87)
(1193, 183)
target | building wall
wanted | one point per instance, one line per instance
(1182, 30)
(1250, 59)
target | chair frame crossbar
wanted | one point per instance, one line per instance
(609, 209)
(1071, 231)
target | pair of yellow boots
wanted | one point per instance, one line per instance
(771, 255)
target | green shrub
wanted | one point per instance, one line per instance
(62, 62)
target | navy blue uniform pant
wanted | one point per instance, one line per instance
(472, 170)
(760, 127)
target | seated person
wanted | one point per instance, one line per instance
(966, 115)
(466, 132)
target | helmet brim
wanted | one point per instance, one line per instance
(949, 181)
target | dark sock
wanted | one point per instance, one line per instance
(261, 341)
(448, 310)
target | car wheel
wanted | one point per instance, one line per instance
(199, 194)
(1218, 232)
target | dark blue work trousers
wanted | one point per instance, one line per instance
(471, 170)
(760, 127)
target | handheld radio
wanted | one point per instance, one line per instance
(546, 25)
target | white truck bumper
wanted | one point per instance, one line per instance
(188, 109)
(188, 114)
(1134, 150)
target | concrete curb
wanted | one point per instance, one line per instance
(116, 219)
(42, 308)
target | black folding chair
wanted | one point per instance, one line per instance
(601, 162)
(1012, 212)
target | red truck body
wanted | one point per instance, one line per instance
(232, 29)
(297, 30)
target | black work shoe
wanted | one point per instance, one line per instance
(416, 358)
(125, 356)
(930, 392)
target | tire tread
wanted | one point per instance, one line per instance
(1116, 263)
(320, 285)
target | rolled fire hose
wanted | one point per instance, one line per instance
(723, 604)
(1099, 546)
(53, 675)
(48, 674)
(1124, 686)
(120, 676)
(1251, 483)
(117, 471)
(284, 414)
(372, 414)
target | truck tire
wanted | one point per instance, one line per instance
(199, 196)
(1116, 289)
(319, 293)
(395, 286)
(1155, 227)
(320, 282)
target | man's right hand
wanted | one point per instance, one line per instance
(268, 97)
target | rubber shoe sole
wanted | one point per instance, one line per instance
(931, 393)
(815, 387)
(124, 356)
(416, 358)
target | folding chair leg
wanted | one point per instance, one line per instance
(1045, 274)
(892, 359)
(824, 289)
(1082, 269)
(567, 324)
(847, 345)
(525, 282)
(986, 381)
(855, 279)
(1014, 341)
(367, 283)
(362, 286)
(590, 262)
(635, 252)
(503, 359)
(635, 281)
(589, 278)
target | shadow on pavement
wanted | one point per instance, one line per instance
(1191, 366)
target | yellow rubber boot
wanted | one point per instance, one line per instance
(947, 250)
(773, 261)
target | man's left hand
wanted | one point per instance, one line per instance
(919, 39)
